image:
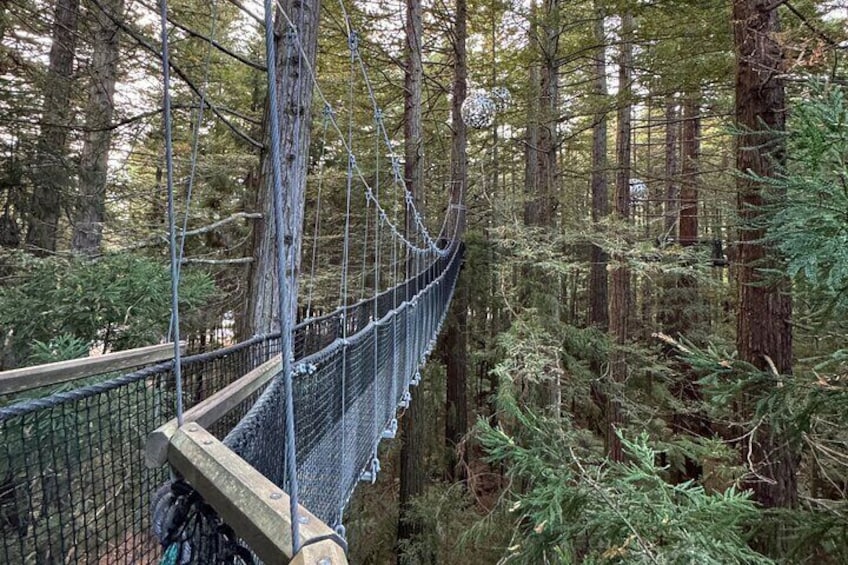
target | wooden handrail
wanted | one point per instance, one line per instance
(211, 410)
(256, 508)
(26, 378)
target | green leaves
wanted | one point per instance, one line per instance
(808, 219)
(573, 506)
(51, 308)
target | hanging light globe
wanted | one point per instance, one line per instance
(478, 111)
(501, 97)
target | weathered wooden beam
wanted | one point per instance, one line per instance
(326, 552)
(210, 410)
(26, 378)
(255, 507)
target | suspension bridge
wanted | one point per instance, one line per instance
(250, 452)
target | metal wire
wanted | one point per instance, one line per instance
(285, 310)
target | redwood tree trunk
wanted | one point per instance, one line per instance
(619, 300)
(672, 188)
(598, 306)
(764, 330)
(51, 170)
(412, 430)
(295, 117)
(454, 344)
(94, 159)
(691, 145)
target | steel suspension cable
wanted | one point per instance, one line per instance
(195, 143)
(172, 223)
(284, 300)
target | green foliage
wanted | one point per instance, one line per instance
(574, 506)
(50, 307)
(808, 219)
(60, 348)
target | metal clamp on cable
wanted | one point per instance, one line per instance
(370, 476)
(405, 400)
(416, 380)
(391, 431)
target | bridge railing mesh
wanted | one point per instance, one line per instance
(73, 484)
(347, 394)
(74, 487)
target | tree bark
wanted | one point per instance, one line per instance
(51, 168)
(94, 159)
(672, 188)
(598, 306)
(619, 299)
(764, 330)
(294, 85)
(541, 206)
(412, 431)
(691, 145)
(454, 344)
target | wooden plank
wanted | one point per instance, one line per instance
(326, 552)
(256, 509)
(210, 410)
(19, 380)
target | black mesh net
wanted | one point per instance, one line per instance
(74, 487)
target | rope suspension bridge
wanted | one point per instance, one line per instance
(253, 451)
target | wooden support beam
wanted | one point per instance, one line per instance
(27, 378)
(255, 507)
(210, 410)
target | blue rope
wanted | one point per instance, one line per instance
(172, 228)
(284, 310)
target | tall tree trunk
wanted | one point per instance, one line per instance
(541, 205)
(295, 95)
(412, 430)
(598, 306)
(51, 168)
(454, 344)
(764, 330)
(619, 300)
(672, 188)
(94, 159)
(691, 145)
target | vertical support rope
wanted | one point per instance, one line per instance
(284, 300)
(195, 144)
(172, 222)
(343, 290)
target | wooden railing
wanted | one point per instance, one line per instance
(27, 378)
(256, 509)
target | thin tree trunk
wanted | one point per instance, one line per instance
(294, 85)
(94, 159)
(51, 172)
(691, 145)
(454, 345)
(413, 430)
(672, 188)
(764, 330)
(619, 300)
(598, 306)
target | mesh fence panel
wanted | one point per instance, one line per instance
(346, 394)
(73, 483)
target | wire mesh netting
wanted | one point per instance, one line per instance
(73, 484)
(347, 393)
(74, 487)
